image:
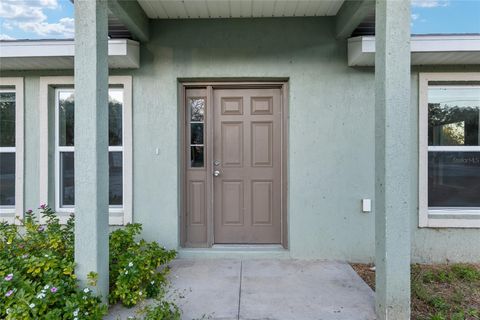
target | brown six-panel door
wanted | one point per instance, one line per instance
(246, 168)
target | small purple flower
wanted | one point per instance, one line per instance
(29, 211)
(9, 277)
(9, 293)
(53, 289)
(43, 206)
(41, 228)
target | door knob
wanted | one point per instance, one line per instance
(216, 173)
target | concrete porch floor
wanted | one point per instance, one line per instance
(270, 289)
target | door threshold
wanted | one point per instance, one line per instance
(229, 251)
(254, 247)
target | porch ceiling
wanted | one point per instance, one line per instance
(194, 9)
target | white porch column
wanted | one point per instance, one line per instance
(91, 141)
(392, 159)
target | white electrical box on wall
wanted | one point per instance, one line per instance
(366, 205)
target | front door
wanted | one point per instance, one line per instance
(247, 165)
(234, 173)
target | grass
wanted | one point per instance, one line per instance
(439, 292)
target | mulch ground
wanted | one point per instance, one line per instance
(439, 292)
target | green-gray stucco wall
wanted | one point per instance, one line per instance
(331, 132)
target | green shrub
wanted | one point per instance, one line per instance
(37, 279)
(161, 310)
(133, 266)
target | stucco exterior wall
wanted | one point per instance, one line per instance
(331, 132)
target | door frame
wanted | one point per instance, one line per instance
(210, 85)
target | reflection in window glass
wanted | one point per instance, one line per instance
(7, 178)
(453, 125)
(196, 155)
(197, 108)
(65, 147)
(454, 179)
(66, 117)
(67, 178)
(453, 115)
(197, 133)
(115, 161)
(115, 111)
(7, 148)
(7, 119)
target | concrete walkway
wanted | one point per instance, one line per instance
(270, 289)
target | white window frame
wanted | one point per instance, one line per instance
(118, 215)
(8, 213)
(440, 217)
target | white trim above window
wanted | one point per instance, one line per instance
(118, 214)
(443, 216)
(15, 85)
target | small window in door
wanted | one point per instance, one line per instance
(196, 111)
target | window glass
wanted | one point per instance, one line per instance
(65, 147)
(197, 133)
(66, 117)
(454, 149)
(115, 160)
(7, 148)
(453, 115)
(67, 178)
(454, 179)
(7, 178)
(196, 155)
(7, 119)
(115, 110)
(196, 107)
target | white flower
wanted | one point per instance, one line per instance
(140, 293)
(46, 287)
(86, 290)
(126, 272)
(152, 282)
(130, 264)
(41, 295)
(75, 318)
(8, 310)
(86, 313)
(75, 313)
(31, 305)
(46, 256)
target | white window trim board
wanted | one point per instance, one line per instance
(117, 216)
(430, 218)
(9, 214)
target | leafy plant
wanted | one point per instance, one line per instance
(134, 271)
(37, 278)
(160, 310)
